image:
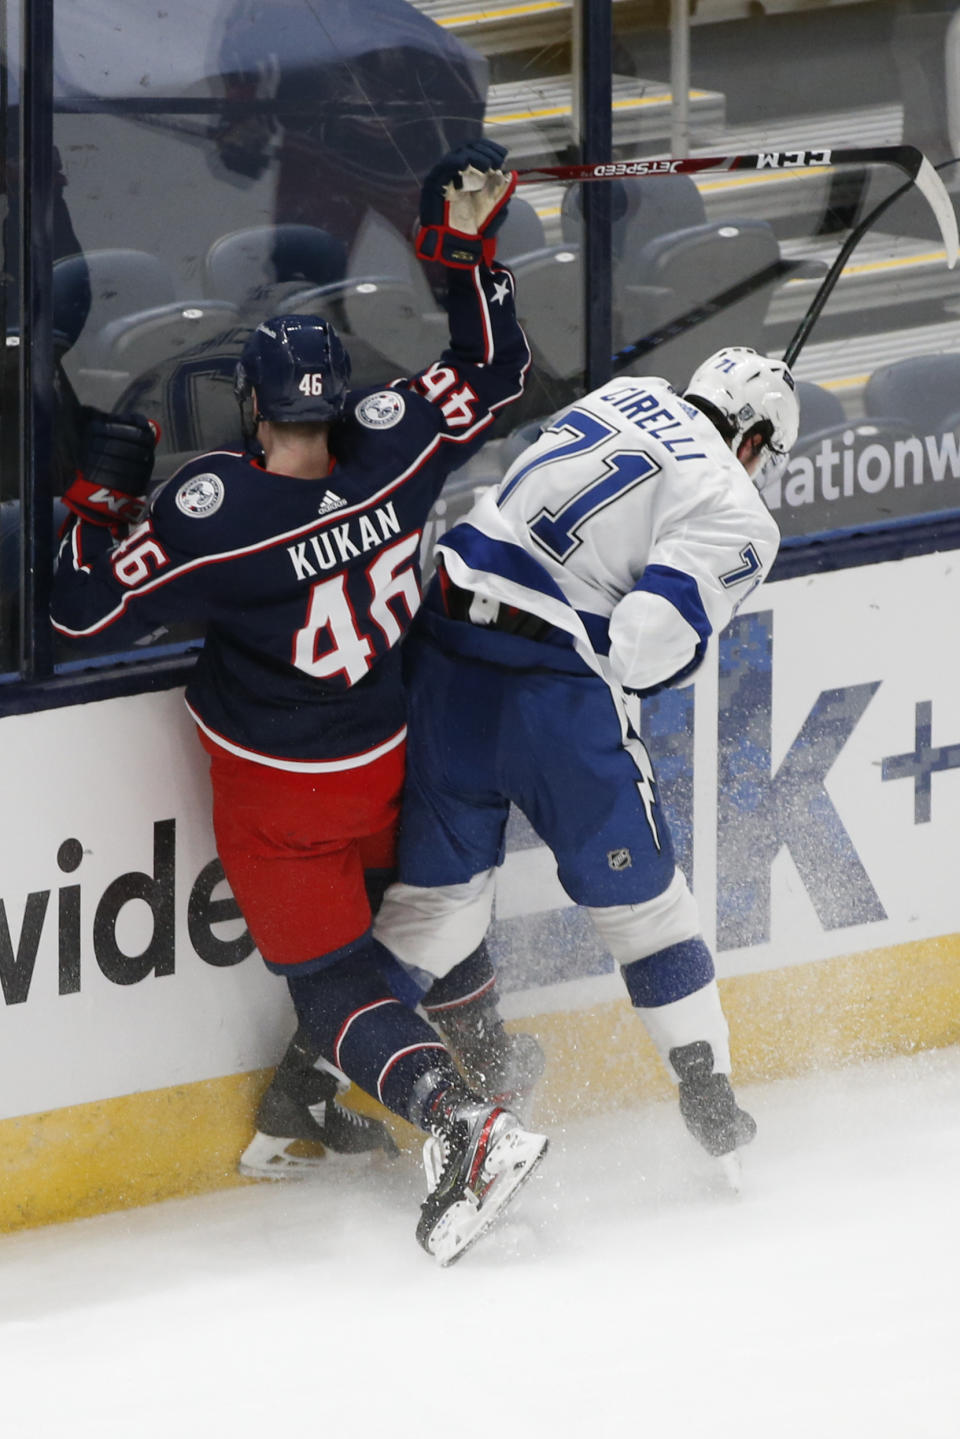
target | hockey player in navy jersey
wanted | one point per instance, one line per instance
(593, 575)
(301, 557)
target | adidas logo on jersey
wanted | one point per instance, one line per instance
(330, 502)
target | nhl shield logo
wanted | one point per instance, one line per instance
(200, 496)
(619, 859)
(382, 410)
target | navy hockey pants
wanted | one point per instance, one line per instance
(496, 726)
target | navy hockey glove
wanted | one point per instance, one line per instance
(115, 470)
(463, 203)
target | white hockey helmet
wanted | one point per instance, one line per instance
(745, 389)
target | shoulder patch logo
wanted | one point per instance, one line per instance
(200, 496)
(382, 410)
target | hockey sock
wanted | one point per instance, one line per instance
(359, 1026)
(675, 993)
(668, 974)
(472, 979)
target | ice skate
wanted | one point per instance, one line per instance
(503, 1067)
(301, 1106)
(476, 1158)
(709, 1108)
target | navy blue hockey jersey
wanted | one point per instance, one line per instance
(305, 586)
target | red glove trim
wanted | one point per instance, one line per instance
(453, 248)
(101, 506)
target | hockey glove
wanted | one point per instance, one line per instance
(115, 472)
(463, 203)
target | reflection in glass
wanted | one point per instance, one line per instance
(228, 161)
(874, 74)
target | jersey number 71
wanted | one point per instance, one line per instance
(558, 531)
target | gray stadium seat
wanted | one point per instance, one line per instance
(136, 343)
(856, 438)
(521, 232)
(673, 273)
(923, 390)
(866, 431)
(819, 408)
(642, 210)
(258, 268)
(521, 438)
(122, 283)
(190, 395)
(135, 320)
(550, 307)
(387, 312)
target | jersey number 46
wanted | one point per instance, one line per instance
(332, 615)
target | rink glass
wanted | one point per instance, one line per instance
(207, 164)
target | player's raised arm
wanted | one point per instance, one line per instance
(463, 204)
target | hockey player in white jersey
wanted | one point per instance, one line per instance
(595, 574)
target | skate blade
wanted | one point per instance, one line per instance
(514, 1160)
(432, 1162)
(731, 1167)
(266, 1157)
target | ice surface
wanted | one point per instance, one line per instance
(628, 1293)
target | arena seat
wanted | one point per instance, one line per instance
(923, 389)
(190, 395)
(134, 322)
(873, 443)
(121, 283)
(820, 409)
(878, 431)
(258, 268)
(550, 307)
(521, 232)
(383, 305)
(673, 273)
(642, 210)
(137, 342)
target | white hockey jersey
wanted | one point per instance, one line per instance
(629, 524)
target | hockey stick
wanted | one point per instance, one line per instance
(782, 268)
(907, 158)
(706, 310)
(836, 269)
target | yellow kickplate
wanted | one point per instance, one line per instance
(168, 1143)
(120, 1153)
(783, 1022)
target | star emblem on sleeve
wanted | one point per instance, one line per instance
(500, 291)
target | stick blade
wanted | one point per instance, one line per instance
(930, 185)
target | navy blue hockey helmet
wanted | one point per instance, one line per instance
(298, 368)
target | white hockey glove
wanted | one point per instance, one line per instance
(463, 203)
